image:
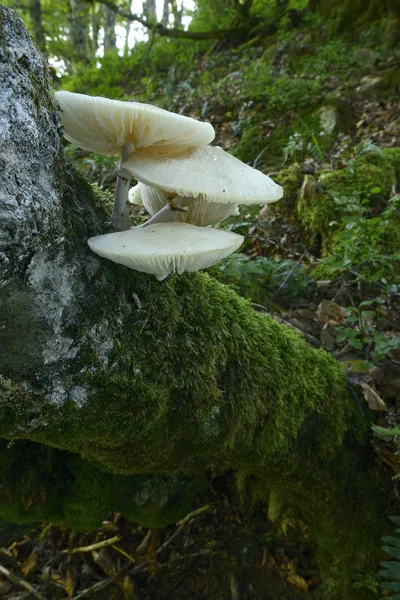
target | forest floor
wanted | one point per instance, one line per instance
(220, 552)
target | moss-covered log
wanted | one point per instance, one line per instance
(114, 385)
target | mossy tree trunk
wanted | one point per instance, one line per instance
(146, 379)
(352, 15)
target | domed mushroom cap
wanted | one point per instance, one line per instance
(135, 196)
(104, 125)
(198, 210)
(166, 248)
(206, 170)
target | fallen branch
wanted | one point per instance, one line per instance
(181, 524)
(95, 546)
(21, 582)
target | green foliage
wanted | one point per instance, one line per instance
(213, 14)
(385, 432)
(260, 279)
(361, 247)
(391, 569)
(361, 325)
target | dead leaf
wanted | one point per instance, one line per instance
(128, 588)
(374, 400)
(70, 582)
(104, 560)
(298, 582)
(30, 564)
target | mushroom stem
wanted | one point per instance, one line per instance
(120, 214)
(167, 213)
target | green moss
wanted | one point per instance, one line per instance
(317, 210)
(291, 180)
(60, 487)
(156, 501)
(393, 155)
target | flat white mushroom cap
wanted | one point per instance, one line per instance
(166, 248)
(199, 211)
(206, 170)
(104, 125)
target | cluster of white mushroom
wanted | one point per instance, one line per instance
(184, 183)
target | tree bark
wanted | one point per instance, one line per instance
(35, 13)
(167, 380)
(110, 38)
(79, 31)
(177, 13)
(149, 10)
(165, 14)
(95, 21)
(351, 14)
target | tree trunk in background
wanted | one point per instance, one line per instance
(150, 10)
(393, 24)
(127, 34)
(79, 31)
(353, 15)
(177, 12)
(110, 38)
(165, 15)
(35, 13)
(95, 21)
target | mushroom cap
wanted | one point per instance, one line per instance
(104, 125)
(206, 170)
(166, 248)
(199, 211)
(134, 196)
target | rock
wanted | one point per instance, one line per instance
(329, 311)
(366, 57)
(328, 337)
(371, 85)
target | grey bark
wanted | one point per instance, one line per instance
(79, 31)
(110, 38)
(95, 22)
(177, 12)
(35, 13)
(165, 14)
(149, 10)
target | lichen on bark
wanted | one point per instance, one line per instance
(115, 375)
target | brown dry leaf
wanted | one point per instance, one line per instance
(374, 400)
(30, 564)
(298, 582)
(29, 503)
(70, 582)
(57, 578)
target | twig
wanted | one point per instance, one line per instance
(94, 588)
(288, 276)
(95, 546)
(181, 524)
(21, 582)
(310, 338)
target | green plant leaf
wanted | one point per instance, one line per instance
(383, 432)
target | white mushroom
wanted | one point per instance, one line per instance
(134, 196)
(196, 211)
(115, 127)
(166, 248)
(208, 171)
